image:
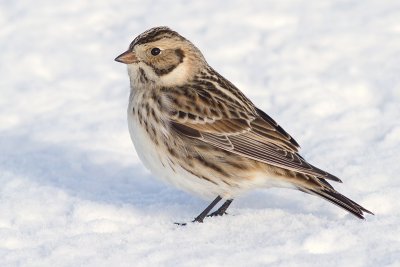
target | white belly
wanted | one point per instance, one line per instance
(157, 161)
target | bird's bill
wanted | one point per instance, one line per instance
(128, 57)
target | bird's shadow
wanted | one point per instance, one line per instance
(76, 172)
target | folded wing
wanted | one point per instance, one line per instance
(229, 121)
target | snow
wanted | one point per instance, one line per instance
(74, 193)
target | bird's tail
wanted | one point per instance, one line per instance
(328, 193)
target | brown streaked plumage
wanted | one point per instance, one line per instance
(195, 129)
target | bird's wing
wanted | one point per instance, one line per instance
(225, 118)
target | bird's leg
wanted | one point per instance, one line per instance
(222, 210)
(204, 213)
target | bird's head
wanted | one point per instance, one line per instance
(163, 57)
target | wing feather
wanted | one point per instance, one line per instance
(234, 124)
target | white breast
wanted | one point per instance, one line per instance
(156, 159)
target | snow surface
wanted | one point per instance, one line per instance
(74, 193)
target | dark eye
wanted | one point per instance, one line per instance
(155, 51)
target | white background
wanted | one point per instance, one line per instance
(74, 193)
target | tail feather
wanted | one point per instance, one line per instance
(340, 200)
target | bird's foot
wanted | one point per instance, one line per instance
(217, 213)
(180, 224)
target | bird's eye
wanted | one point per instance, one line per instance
(155, 51)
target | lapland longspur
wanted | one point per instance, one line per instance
(195, 129)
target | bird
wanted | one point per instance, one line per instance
(195, 129)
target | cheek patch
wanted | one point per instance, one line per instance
(168, 62)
